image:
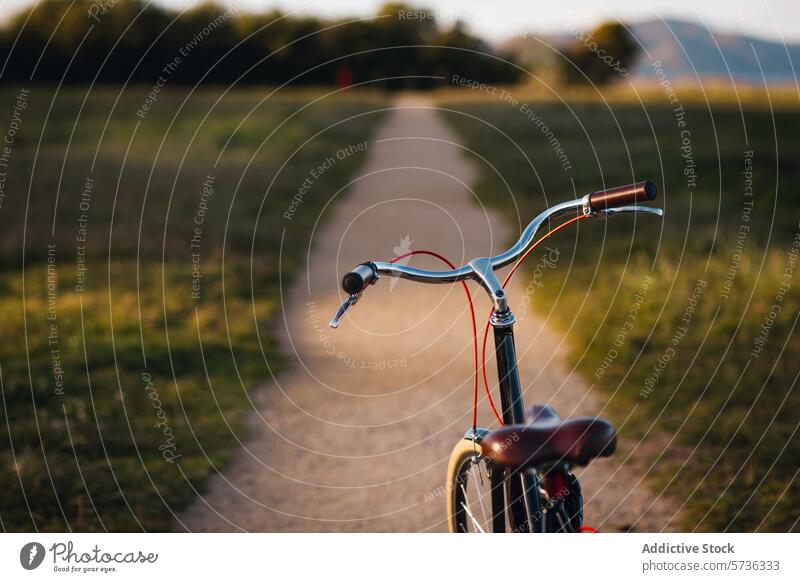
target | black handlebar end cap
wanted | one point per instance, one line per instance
(352, 283)
(650, 190)
(356, 280)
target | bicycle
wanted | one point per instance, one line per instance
(523, 470)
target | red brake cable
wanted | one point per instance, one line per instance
(474, 329)
(488, 322)
(505, 282)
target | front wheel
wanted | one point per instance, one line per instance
(469, 490)
(476, 497)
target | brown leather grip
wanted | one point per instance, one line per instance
(623, 195)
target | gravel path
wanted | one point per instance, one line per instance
(357, 436)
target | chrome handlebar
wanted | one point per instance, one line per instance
(512, 254)
(497, 262)
(482, 270)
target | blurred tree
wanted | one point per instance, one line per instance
(600, 57)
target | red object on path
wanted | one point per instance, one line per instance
(344, 77)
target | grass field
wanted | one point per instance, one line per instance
(132, 332)
(688, 326)
(140, 285)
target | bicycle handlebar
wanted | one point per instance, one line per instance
(599, 203)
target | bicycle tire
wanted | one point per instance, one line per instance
(466, 459)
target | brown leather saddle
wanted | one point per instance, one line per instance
(546, 439)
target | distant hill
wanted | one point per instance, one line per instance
(686, 50)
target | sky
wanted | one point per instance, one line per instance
(777, 20)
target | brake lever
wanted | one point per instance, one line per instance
(350, 301)
(631, 210)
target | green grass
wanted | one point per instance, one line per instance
(155, 382)
(726, 420)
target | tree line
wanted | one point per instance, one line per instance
(116, 41)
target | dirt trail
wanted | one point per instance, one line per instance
(358, 436)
